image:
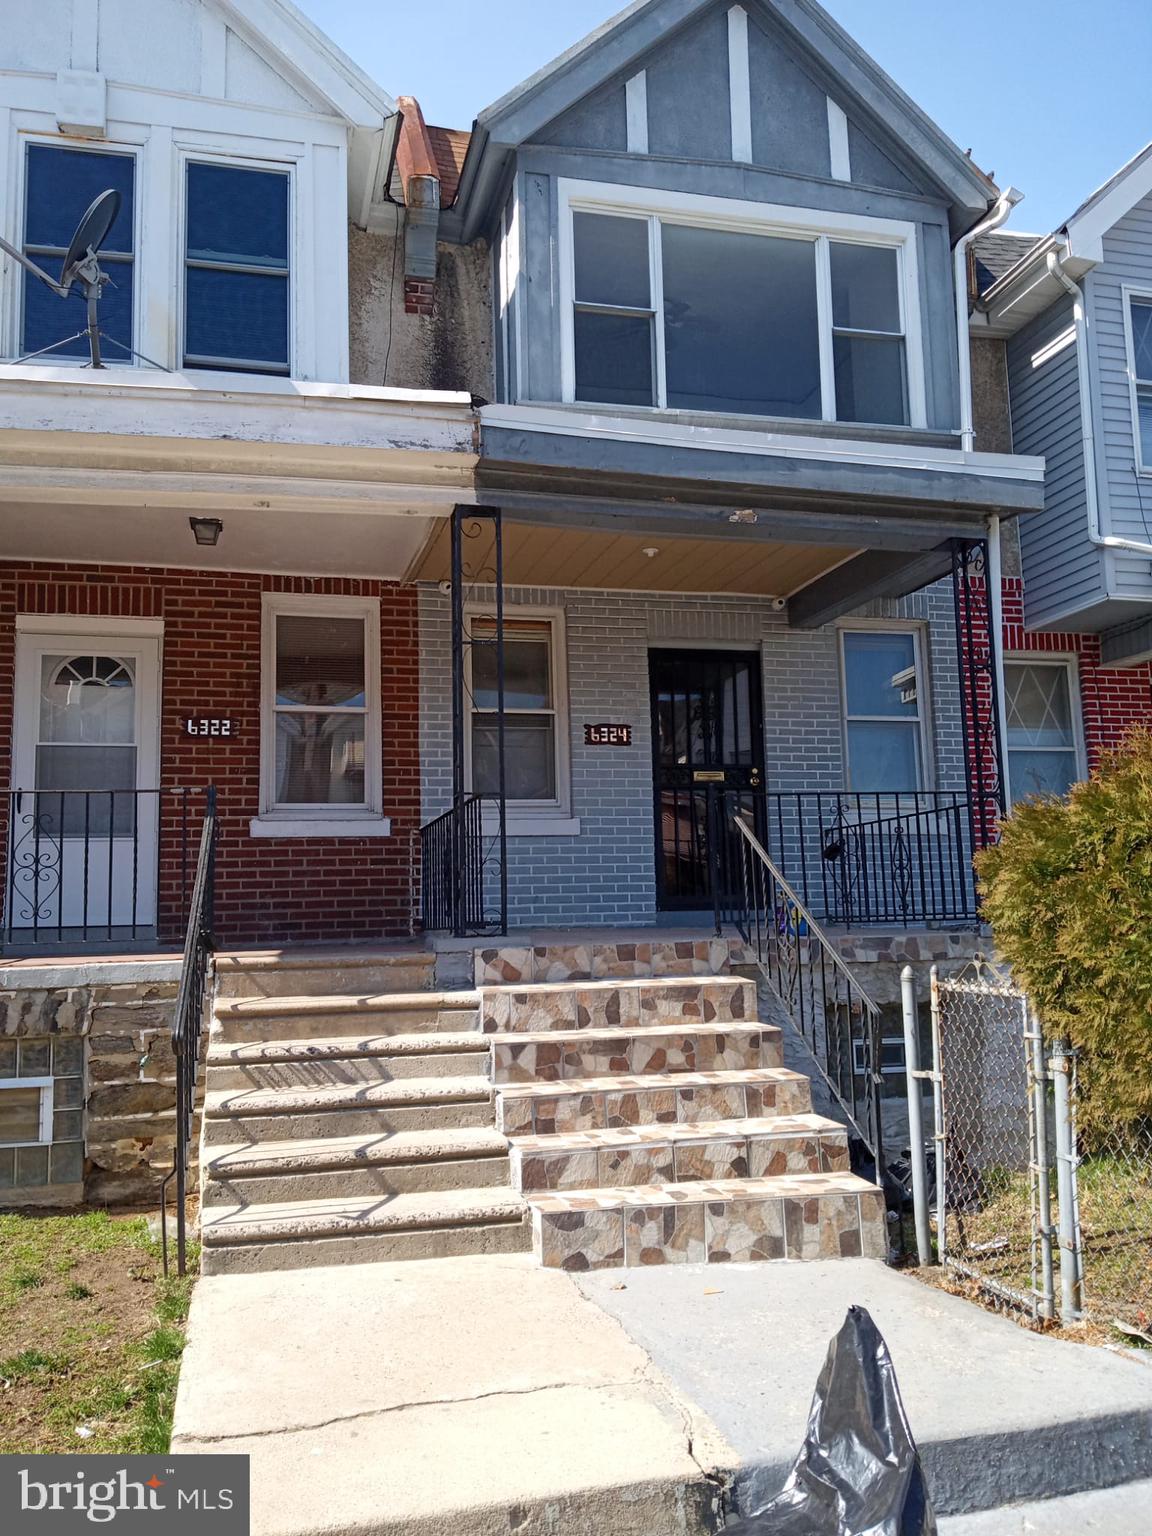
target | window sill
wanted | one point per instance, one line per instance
(320, 826)
(535, 824)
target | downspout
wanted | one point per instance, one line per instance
(1004, 206)
(1088, 431)
(995, 575)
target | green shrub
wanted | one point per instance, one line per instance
(1068, 893)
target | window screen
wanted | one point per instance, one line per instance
(529, 711)
(321, 710)
(237, 269)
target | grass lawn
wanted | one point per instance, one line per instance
(90, 1334)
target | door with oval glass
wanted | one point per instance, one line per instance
(708, 753)
(85, 780)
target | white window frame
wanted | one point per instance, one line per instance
(112, 356)
(817, 226)
(323, 819)
(1130, 294)
(287, 166)
(46, 1087)
(532, 818)
(924, 716)
(1071, 665)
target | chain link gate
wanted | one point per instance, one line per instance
(994, 1135)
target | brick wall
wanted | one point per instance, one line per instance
(606, 874)
(1113, 699)
(267, 889)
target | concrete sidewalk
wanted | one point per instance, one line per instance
(470, 1397)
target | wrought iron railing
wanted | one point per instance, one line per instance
(837, 1021)
(864, 859)
(464, 869)
(188, 1027)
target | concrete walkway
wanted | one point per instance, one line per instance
(483, 1396)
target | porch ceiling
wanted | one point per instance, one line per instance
(570, 557)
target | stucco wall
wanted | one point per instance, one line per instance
(606, 874)
(451, 349)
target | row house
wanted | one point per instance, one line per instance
(504, 530)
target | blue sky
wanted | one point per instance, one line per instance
(1051, 95)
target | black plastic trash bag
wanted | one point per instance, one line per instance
(858, 1472)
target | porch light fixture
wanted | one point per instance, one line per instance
(206, 530)
(651, 553)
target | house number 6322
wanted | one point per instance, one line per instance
(208, 727)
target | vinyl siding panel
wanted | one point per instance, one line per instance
(1126, 496)
(1062, 569)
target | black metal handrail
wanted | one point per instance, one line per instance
(82, 865)
(464, 869)
(837, 1021)
(861, 859)
(188, 1026)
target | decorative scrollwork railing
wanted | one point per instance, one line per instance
(464, 870)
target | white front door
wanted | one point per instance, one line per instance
(85, 778)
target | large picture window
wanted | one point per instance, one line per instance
(60, 184)
(322, 716)
(1044, 755)
(1140, 318)
(671, 314)
(236, 281)
(883, 710)
(533, 726)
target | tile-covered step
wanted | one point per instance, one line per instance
(617, 1004)
(412, 1104)
(402, 1162)
(334, 1059)
(554, 1055)
(678, 1154)
(362, 1229)
(800, 1216)
(597, 960)
(257, 1019)
(600, 1103)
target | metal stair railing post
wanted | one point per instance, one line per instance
(188, 1025)
(820, 993)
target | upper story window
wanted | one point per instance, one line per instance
(755, 320)
(1140, 315)
(236, 282)
(883, 710)
(59, 185)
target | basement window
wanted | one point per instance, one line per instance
(236, 280)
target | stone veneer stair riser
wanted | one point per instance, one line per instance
(543, 1109)
(617, 1005)
(598, 961)
(556, 1055)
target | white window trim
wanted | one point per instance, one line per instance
(46, 1086)
(1129, 292)
(320, 820)
(277, 165)
(816, 225)
(924, 716)
(534, 818)
(1071, 664)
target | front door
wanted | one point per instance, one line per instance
(85, 769)
(708, 739)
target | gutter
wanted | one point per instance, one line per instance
(1007, 200)
(1088, 430)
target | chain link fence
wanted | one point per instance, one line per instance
(1043, 1216)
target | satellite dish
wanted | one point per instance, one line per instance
(81, 265)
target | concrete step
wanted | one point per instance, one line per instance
(595, 959)
(239, 1020)
(602, 1103)
(334, 1059)
(412, 1104)
(556, 1055)
(802, 1216)
(324, 969)
(405, 1162)
(676, 1154)
(361, 1229)
(617, 1004)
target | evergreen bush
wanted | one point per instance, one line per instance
(1068, 894)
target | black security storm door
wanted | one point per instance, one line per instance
(708, 750)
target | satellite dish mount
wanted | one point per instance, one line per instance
(82, 268)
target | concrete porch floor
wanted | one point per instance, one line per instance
(487, 1396)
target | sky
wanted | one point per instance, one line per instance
(1051, 96)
